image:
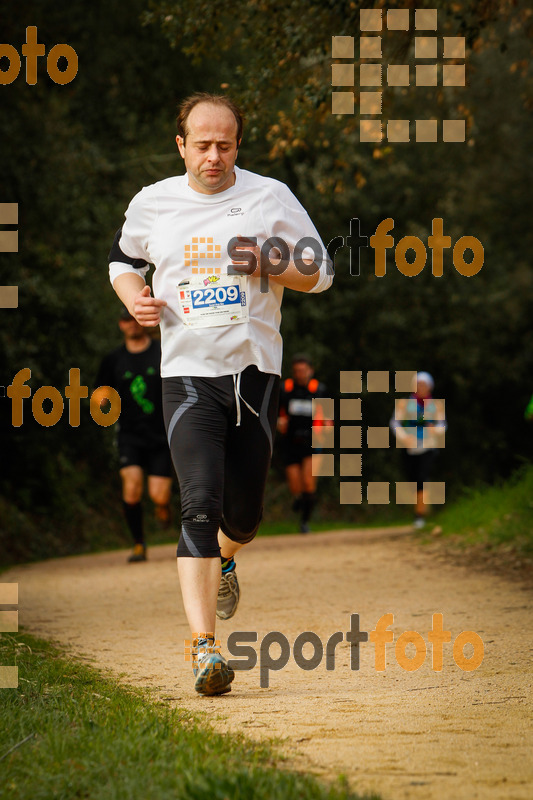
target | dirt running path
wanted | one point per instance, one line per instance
(422, 735)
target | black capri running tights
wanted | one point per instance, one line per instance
(221, 451)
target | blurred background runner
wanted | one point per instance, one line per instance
(419, 426)
(133, 370)
(295, 424)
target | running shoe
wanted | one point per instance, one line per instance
(228, 593)
(213, 675)
(139, 554)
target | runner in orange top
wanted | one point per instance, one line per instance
(295, 423)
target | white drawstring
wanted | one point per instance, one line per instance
(238, 398)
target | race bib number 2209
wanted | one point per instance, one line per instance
(213, 300)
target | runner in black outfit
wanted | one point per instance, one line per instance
(133, 371)
(295, 423)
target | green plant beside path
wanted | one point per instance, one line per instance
(68, 732)
(499, 518)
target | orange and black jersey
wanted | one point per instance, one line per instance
(296, 403)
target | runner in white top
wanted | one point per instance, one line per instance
(217, 297)
(168, 222)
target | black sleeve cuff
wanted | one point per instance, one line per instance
(116, 254)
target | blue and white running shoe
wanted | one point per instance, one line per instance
(213, 675)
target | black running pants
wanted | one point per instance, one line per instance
(221, 451)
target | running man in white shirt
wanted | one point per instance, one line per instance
(217, 297)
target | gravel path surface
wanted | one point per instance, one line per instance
(420, 734)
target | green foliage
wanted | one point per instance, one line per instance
(88, 737)
(498, 517)
(473, 334)
(72, 157)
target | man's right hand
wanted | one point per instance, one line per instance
(147, 309)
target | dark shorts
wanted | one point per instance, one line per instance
(419, 468)
(222, 467)
(153, 460)
(294, 452)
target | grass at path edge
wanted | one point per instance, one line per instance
(496, 520)
(92, 738)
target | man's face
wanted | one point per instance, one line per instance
(210, 149)
(302, 373)
(131, 328)
(423, 389)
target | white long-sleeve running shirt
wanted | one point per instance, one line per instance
(215, 324)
